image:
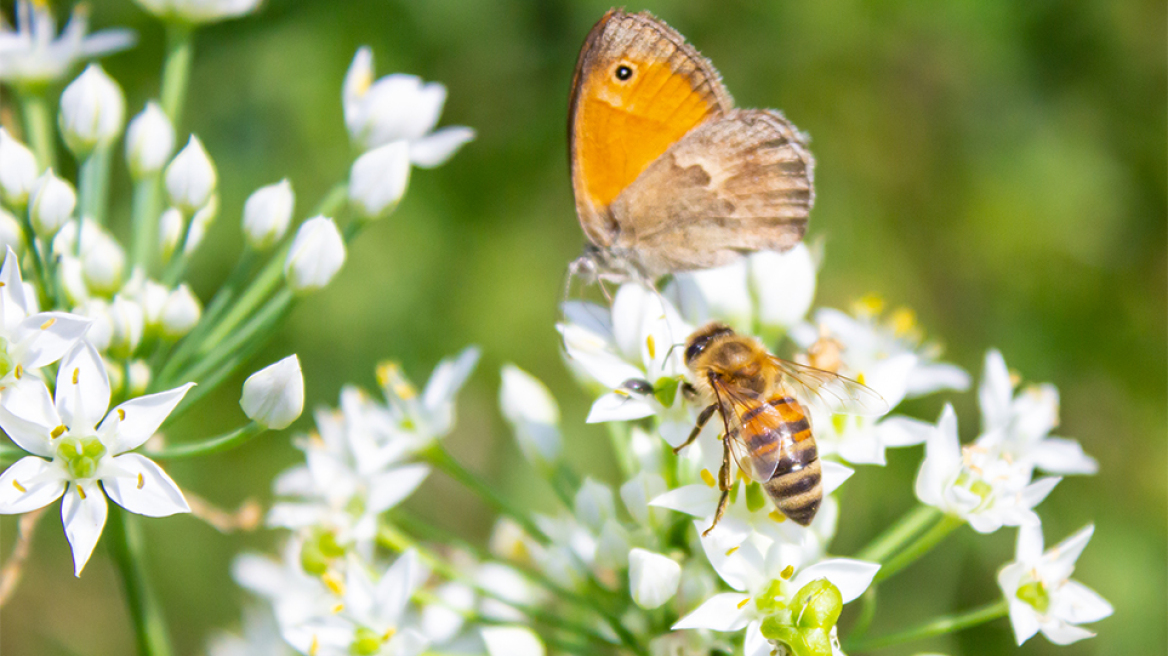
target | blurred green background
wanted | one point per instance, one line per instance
(997, 166)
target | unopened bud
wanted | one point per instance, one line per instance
(267, 213)
(18, 170)
(379, 178)
(51, 203)
(93, 111)
(274, 395)
(191, 178)
(317, 254)
(149, 141)
(180, 313)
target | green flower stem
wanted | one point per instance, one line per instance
(393, 539)
(896, 535)
(225, 442)
(39, 125)
(10, 453)
(564, 481)
(144, 219)
(933, 628)
(618, 435)
(38, 262)
(93, 187)
(867, 613)
(212, 381)
(124, 537)
(258, 326)
(919, 547)
(176, 69)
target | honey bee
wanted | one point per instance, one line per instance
(760, 398)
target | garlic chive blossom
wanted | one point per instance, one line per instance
(274, 395)
(93, 111)
(191, 178)
(72, 452)
(316, 255)
(267, 213)
(34, 54)
(149, 141)
(18, 170)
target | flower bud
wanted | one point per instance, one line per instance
(533, 414)
(128, 323)
(149, 141)
(170, 227)
(101, 330)
(274, 395)
(653, 578)
(199, 224)
(11, 234)
(93, 110)
(199, 11)
(103, 262)
(317, 253)
(594, 504)
(51, 203)
(139, 378)
(267, 213)
(180, 313)
(191, 178)
(153, 297)
(817, 604)
(379, 178)
(18, 170)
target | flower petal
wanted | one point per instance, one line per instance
(995, 392)
(1061, 633)
(27, 416)
(511, 641)
(852, 577)
(148, 491)
(1057, 455)
(1024, 621)
(50, 335)
(1078, 604)
(653, 578)
(398, 583)
(136, 420)
(615, 406)
(84, 518)
(437, 147)
(722, 612)
(390, 488)
(834, 475)
(83, 389)
(41, 487)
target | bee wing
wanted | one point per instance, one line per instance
(839, 394)
(757, 447)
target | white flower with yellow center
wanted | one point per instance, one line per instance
(33, 53)
(73, 452)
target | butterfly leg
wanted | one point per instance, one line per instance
(703, 417)
(724, 484)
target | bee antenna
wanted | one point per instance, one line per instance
(670, 351)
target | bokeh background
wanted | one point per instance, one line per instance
(997, 166)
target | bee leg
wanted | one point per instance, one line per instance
(724, 484)
(702, 419)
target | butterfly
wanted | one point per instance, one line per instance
(668, 175)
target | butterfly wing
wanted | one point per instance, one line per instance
(619, 125)
(736, 184)
(839, 394)
(758, 435)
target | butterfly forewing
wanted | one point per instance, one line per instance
(836, 393)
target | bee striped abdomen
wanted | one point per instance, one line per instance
(796, 486)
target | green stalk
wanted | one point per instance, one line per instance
(176, 70)
(39, 126)
(38, 263)
(124, 537)
(219, 303)
(144, 220)
(933, 628)
(225, 442)
(921, 546)
(867, 614)
(260, 324)
(93, 187)
(618, 436)
(11, 453)
(895, 536)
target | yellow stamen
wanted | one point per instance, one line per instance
(16, 484)
(731, 550)
(903, 322)
(51, 321)
(314, 648)
(405, 391)
(141, 480)
(19, 371)
(870, 305)
(58, 432)
(76, 374)
(333, 582)
(338, 608)
(81, 492)
(708, 478)
(121, 414)
(386, 370)
(777, 516)
(389, 633)
(787, 573)
(2, 284)
(860, 378)
(743, 603)
(652, 345)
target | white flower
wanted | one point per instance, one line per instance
(422, 418)
(72, 451)
(180, 313)
(317, 253)
(1019, 426)
(149, 141)
(1042, 595)
(199, 11)
(274, 395)
(29, 341)
(11, 233)
(976, 484)
(93, 111)
(511, 641)
(653, 578)
(18, 170)
(191, 177)
(267, 213)
(261, 636)
(533, 414)
(50, 204)
(33, 54)
(371, 616)
(398, 107)
(379, 178)
(295, 595)
(102, 263)
(764, 581)
(170, 230)
(442, 620)
(127, 323)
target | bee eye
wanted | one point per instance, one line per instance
(623, 72)
(696, 348)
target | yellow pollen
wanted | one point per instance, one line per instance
(651, 344)
(1015, 378)
(16, 484)
(743, 603)
(903, 321)
(622, 392)
(744, 476)
(121, 414)
(405, 391)
(141, 480)
(708, 478)
(2, 284)
(731, 550)
(334, 583)
(76, 374)
(314, 648)
(338, 608)
(19, 372)
(385, 370)
(787, 573)
(58, 432)
(81, 492)
(51, 321)
(389, 633)
(860, 378)
(870, 305)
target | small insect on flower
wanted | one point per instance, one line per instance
(766, 427)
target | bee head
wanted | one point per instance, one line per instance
(698, 341)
